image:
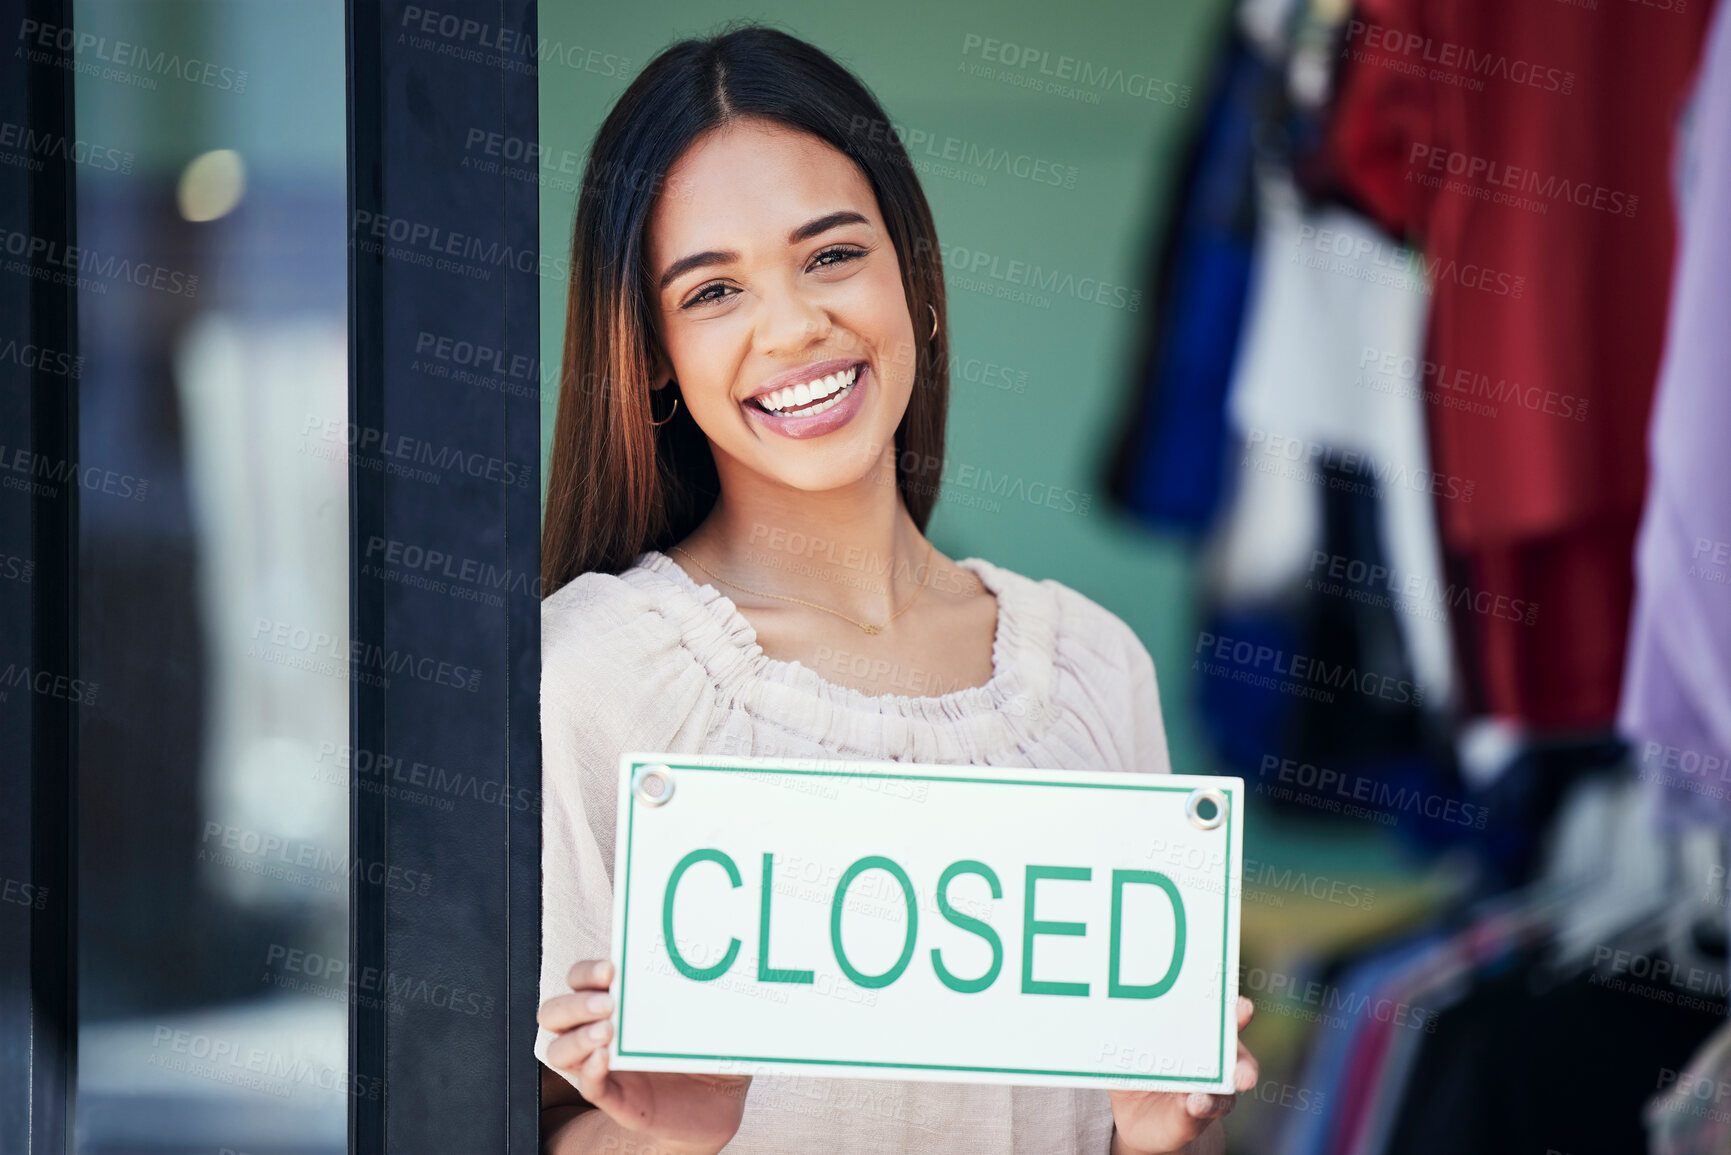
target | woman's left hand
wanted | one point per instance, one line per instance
(1158, 1122)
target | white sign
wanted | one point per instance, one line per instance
(891, 920)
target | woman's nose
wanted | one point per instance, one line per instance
(789, 322)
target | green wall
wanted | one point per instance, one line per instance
(1095, 223)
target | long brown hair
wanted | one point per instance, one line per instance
(619, 484)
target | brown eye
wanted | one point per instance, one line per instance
(704, 295)
(840, 255)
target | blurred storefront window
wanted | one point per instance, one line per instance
(214, 868)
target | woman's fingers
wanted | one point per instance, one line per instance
(1247, 1071)
(572, 1048)
(562, 1012)
(590, 974)
(579, 1018)
(592, 1081)
(1201, 1105)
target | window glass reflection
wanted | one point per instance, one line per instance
(213, 598)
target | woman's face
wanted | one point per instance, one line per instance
(780, 307)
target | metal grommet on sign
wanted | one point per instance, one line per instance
(1193, 808)
(652, 784)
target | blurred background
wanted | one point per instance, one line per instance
(1378, 351)
(214, 592)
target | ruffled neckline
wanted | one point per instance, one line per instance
(1015, 697)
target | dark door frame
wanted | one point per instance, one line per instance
(38, 603)
(445, 504)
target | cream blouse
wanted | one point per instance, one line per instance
(650, 660)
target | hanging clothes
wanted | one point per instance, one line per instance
(1328, 547)
(1681, 1120)
(1167, 469)
(1320, 323)
(1677, 693)
(1540, 1018)
(1527, 147)
(1325, 550)
(1510, 1070)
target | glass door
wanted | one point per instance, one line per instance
(269, 597)
(213, 588)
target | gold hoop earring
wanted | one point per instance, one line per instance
(670, 412)
(934, 310)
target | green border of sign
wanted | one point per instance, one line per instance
(625, 928)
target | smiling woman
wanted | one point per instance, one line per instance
(746, 251)
(720, 155)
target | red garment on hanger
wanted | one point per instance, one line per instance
(1562, 668)
(1528, 147)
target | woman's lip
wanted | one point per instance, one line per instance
(828, 421)
(805, 373)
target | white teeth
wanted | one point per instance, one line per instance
(823, 405)
(825, 390)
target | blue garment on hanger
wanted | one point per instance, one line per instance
(1170, 466)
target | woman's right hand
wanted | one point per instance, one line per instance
(684, 1114)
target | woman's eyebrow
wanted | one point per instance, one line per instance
(825, 223)
(804, 232)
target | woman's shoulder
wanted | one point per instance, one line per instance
(1077, 621)
(588, 607)
(617, 666)
(601, 622)
(1102, 672)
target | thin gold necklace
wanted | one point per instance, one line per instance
(866, 626)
